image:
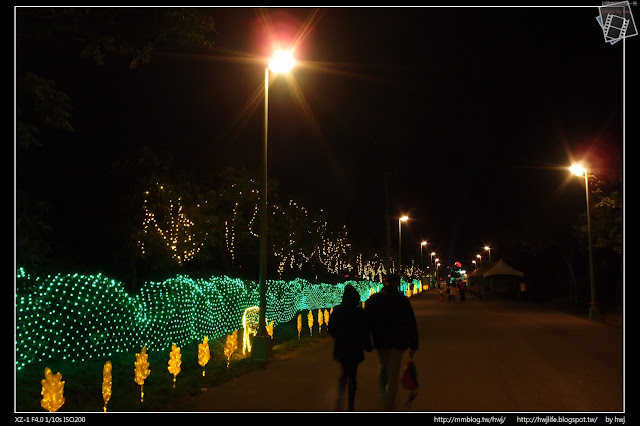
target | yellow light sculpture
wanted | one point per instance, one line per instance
(326, 316)
(52, 391)
(142, 370)
(250, 320)
(175, 360)
(203, 353)
(310, 322)
(106, 383)
(269, 328)
(320, 320)
(299, 325)
(231, 345)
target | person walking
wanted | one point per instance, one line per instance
(463, 290)
(393, 329)
(350, 331)
(453, 291)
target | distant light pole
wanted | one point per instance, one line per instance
(281, 61)
(488, 248)
(479, 257)
(475, 264)
(402, 219)
(594, 312)
(422, 244)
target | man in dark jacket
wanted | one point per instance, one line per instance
(393, 329)
(350, 330)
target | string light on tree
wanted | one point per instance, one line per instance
(203, 353)
(310, 322)
(52, 391)
(106, 383)
(142, 370)
(175, 360)
(231, 345)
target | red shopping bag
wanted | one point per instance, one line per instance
(409, 378)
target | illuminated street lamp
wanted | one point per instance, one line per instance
(402, 219)
(594, 312)
(488, 248)
(422, 244)
(280, 62)
(479, 257)
(475, 264)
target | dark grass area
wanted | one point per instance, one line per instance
(83, 380)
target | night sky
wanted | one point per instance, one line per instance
(471, 113)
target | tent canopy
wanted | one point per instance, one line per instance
(498, 268)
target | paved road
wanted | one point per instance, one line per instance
(476, 356)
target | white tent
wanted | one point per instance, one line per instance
(501, 268)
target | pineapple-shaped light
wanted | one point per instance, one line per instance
(52, 391)
(142, 370)
(326, 317)
(106, 383)
(231, 345)
(175, 360)
(310, 322)
(269, 328)
(320, 320)
(203, 353)
(299, 325)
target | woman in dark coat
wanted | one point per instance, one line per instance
(348, 327)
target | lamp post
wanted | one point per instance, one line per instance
(479, 257)
(489, 249)
(281, 61)
(594, 312)
(422, 244)
(475, 264)
(402, 219)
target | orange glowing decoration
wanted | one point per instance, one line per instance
(175, 360)
(310, 322)
(320, 320)
(142, 370)
(269, 328)
(52, 391)
(326, 317)
(203, 353)
(106, 383)
(250, 321)
(299, 325)
(231, 345)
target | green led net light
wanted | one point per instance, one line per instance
(76, 317)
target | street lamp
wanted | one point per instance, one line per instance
(479, 257)
(594, 312)
(422, 244)
(402, 219)
(475, 264)
(280, 62)
(488, 248)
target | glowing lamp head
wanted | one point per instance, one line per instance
(577, 169)
(404, 218)
(424, 243)
(282, 61)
